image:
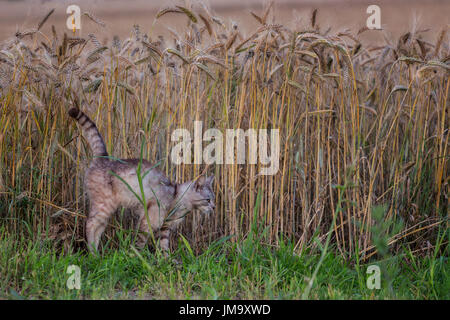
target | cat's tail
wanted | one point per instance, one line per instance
(90, 131)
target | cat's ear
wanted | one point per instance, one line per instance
(204, 181)
(209, 181)
(199, 183)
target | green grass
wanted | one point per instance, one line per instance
(248, 269)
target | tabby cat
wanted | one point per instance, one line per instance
(167, 202)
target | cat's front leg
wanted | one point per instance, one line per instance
(146, 221)
(164, 237)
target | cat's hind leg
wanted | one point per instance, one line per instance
(96, 224)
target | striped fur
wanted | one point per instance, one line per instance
(90, 131)
(167, 202)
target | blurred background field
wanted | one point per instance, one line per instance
(398, 16)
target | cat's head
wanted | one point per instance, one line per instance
(198, 194)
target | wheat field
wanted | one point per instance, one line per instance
(361, 126)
